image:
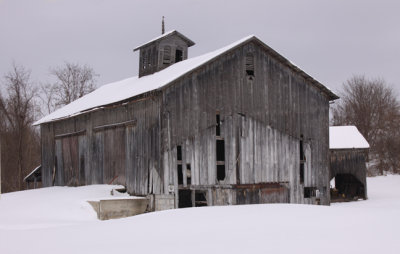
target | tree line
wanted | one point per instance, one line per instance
(373, 107)
(21, 103)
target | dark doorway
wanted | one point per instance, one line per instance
(178, 55)
(347, 187)
(185, 198)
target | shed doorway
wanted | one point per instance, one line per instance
(347, 188)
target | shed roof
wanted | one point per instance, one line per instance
(125, 89)
(346, 137)
(165, 35)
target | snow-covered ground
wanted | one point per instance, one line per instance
(58, 220)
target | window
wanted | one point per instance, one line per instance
(188, 175)
(179, 166)
(310, 192)
(179, 153)
(220, 150)
(180, 175)
(178, 55)
(167, 55)
(200, 198)
(250, 65)
(302, 159)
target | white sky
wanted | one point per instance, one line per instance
(330, 40)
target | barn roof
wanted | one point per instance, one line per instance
(165, 35)
(125, 89)
(346, 137)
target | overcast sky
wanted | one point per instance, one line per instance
(330, 40)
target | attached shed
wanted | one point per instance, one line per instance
(239, 125)
(348, 154)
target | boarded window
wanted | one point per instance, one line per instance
(250, 65)
(178, 55)
(167, 55)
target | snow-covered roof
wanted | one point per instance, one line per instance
(346, 137)
(166, 34)
(128, 88)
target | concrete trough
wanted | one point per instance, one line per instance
(119, 208)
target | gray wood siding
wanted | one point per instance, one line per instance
(262, 120)
(118, 145)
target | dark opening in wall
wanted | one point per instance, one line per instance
(250, 65)
(185, 198)
(218, 126)
(220, 150)
(302, 159)
(200, 198)
(188, 175)
(180, 174)
(220, 172)
(310, 192)
(179, 153)
(301, 173)
(178, 55)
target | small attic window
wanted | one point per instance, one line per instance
(178, 55)
(250, 64)
(167, 55)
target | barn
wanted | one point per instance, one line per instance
(239, 125)
(348, 156)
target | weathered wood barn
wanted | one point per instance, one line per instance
(240, 125)
(348, 153)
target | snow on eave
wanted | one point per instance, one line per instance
(132, 87)
(346, 137)
(31, 173)
(166, 34)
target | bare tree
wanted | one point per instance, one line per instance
(72, 82)
(18, 110)
(372, 106)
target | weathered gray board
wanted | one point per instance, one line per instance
(262, 119)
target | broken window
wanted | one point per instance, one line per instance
(188, 174)
(200, 198)
(218, 126)
(178, 55)
(220, 159)
(302, 159)
(310, 192)
(167, 55)
(250, 65)
(180, 175)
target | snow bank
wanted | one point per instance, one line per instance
(346, 137)
(51, 207)
(356, 227)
